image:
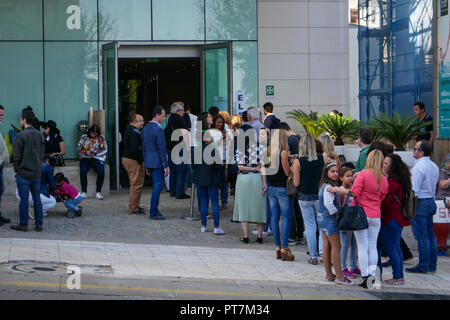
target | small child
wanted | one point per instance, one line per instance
(327, 221)
(348, 240)
(64, 188)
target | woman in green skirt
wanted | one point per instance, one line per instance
(250, 203)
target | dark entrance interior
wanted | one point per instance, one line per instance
(147, 82)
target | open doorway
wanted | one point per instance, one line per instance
(148, 82)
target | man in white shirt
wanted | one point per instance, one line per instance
(425, 177)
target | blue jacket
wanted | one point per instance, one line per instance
(154, 146)
(47, 179)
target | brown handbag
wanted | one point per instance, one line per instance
(291, 189)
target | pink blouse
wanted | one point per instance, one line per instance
(365, 189)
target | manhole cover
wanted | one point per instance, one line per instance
(43, 269)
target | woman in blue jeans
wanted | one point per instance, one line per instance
(281, 204)
(310, 171)
(392, 220)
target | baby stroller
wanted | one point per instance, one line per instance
(60, 198)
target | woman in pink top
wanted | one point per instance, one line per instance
(370, 188)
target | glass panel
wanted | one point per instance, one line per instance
(125, 20)
(21, 81)
(231, 20)
(70, 20)
(245, 71)
(110, 105)
(20, 20)
(71, 84)
(178, 20)
(216, 78)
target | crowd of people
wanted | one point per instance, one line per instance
(292, 187)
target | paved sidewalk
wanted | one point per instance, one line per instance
(135, 247)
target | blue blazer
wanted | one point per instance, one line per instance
(154, 147)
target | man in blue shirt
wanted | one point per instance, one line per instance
(424, 178)
(155, 158)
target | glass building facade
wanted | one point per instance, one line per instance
(395, 56)
(50, 50)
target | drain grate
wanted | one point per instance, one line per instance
(43, 269)
(33, 267)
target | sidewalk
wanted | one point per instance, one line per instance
(134, 247)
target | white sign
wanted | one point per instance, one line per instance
(240, 101)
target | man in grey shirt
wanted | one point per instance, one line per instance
(28, 151)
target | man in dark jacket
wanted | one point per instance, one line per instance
(177, 176)
(155, 158)
(133, 162)
(270, 121)
(28, 153)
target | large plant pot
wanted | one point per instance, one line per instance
(407, 157)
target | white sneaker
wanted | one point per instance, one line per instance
(83, 195)
(267, 233)
(255, 232)
(204, 229)
(99, 196)
(218, 231)
(31, 213)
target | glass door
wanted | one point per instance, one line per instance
(217, 79)
(110, 106)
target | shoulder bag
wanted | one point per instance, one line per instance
(409, 205)
(352, 218)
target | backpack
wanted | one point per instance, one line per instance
(409, 205)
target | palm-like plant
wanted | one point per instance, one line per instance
(397, 129)
(309, 121)
(339, 127)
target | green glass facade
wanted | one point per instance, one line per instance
(49, 50)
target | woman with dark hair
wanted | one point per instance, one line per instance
(92, 149)
(392, 220)
(54, 143)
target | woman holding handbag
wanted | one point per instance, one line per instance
(281, 204)
(369, 189)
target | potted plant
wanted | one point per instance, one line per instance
(309, 121)
(339, 127)
(397, 129)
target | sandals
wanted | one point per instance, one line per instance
(331, 279)
(287, 255)
(313, 261)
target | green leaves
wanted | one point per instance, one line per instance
(339, 127)
(309, 121)
(397, 129)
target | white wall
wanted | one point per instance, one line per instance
(353, 72)
(303, 51)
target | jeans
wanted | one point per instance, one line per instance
(204, 195)
(422, 228)
(348, 243)
(24, 186)
(281, 206)
(309, 212)
(390, 235)
(177, 177)
(73, 205)
(223, 186)
(158, 184)
(99, 168)
(367, 247)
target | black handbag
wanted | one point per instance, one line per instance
(352, 218)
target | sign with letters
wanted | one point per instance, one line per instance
(240, 101)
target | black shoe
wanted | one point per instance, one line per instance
(138, 211)
(184, 196)
(18, 227)
(244, 240)
(259, 240)
(79, 212)
(158, 217)
(416, 269)
(4, 220)
(38, 229)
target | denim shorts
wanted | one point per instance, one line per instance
(327, 224)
